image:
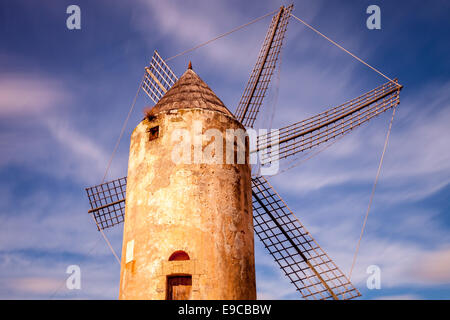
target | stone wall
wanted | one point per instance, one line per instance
(202, 209)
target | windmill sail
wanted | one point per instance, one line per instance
(258, 83)
(107, 202)
(327, 125)
(302, 260)
(158, 78)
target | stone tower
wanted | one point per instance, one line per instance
(188, 230)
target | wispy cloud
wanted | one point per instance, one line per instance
(417, 160)
(433, 267)
(37, 285)
(29, 95)
(40, 102)
(189, 24)
(83, 159)
(193, 22)
(44, 277)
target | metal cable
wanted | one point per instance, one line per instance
(300, 160)
(372, 194)
(109, 165)
(345, 50)
(123, 130)
(65, 279)
(103, 180)
(220, 36)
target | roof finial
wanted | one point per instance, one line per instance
(190, 65)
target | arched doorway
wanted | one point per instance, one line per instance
(179, 287)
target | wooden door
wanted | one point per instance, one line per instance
(179, 288)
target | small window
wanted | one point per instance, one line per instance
(153, 133)
(179, 255)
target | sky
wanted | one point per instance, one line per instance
(64, 95)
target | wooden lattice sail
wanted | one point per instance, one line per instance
(257, 85)
(302, 260)
(107, 202)
(329, 124)
(158, 78)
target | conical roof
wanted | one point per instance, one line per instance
(190, 91)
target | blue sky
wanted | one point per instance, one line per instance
(64, 95)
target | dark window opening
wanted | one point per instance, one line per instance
(178, 256)
(153, 133)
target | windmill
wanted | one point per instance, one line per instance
(302, 260)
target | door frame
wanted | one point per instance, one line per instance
(168, 277)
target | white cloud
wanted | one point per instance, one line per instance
(417, 161)
(45, 138)
(34, 285)
(434, 267)
(81, 157)
(28, 95)
(44, 277)
(402, 263)
(187, 24)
